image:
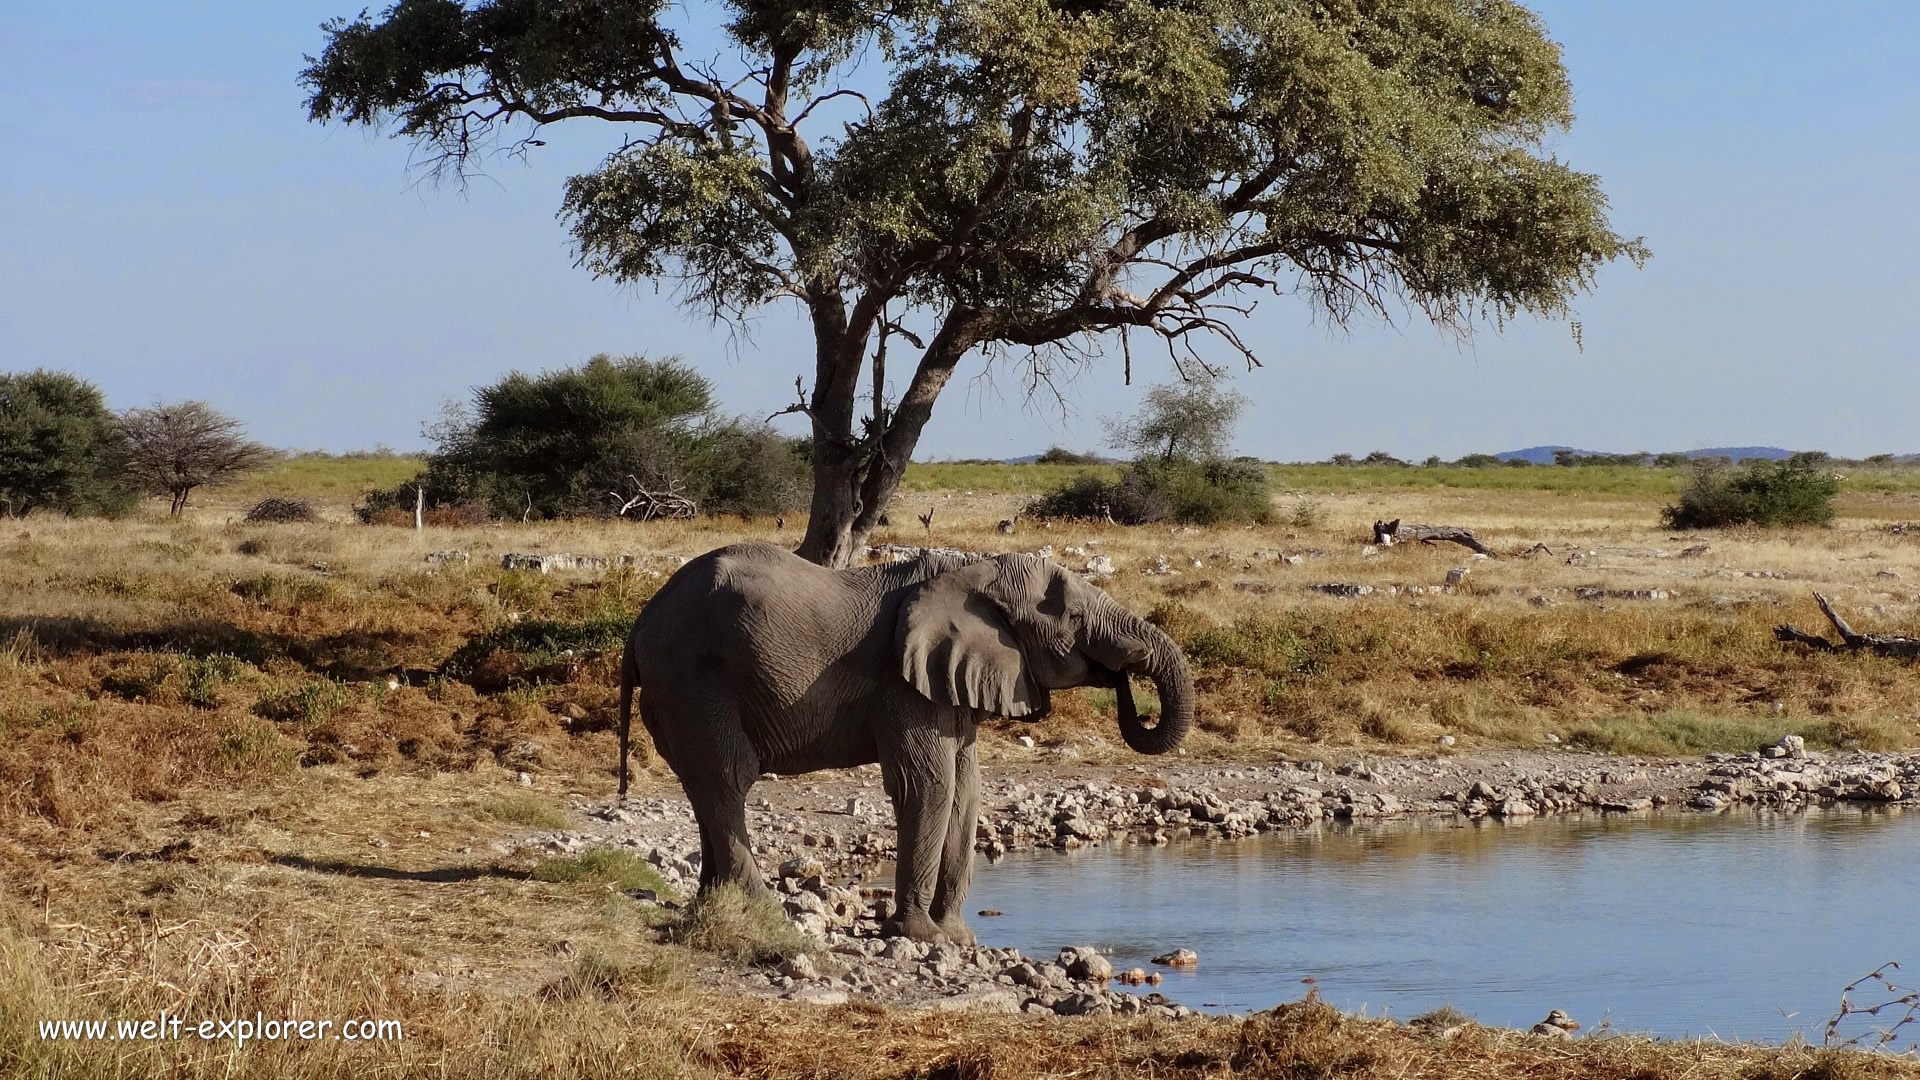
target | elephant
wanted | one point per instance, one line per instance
(751, 659)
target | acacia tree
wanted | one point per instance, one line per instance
(1192, 420)
(1011, 176)
(173, 449)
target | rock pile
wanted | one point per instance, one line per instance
(1789, 775)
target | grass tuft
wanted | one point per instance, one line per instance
(606, 867)
(520, 808)
(745, 929)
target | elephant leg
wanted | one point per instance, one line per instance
(919, 774)
(716, 773)
(956, 854)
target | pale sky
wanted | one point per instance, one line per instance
(172, 227)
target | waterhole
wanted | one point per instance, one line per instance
(1738, 925)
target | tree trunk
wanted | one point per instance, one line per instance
(837, 456)
(854, 478)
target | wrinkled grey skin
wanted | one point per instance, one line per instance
(751, 659)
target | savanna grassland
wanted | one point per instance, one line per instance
(265, 767)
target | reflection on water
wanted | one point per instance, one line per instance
(1737, 925)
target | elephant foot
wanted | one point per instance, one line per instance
(956, 930)
(917, 925)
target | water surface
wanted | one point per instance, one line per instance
(1737, 925)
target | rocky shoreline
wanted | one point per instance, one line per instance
(824, 836)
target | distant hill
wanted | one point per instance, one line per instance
(1543, 455)
(1539, 455)
(1741, 453)
(1028, 459)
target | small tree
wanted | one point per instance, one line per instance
(1191, 421)
(60, 448)
(1798, 491)
(173, 449)
(1180, 472)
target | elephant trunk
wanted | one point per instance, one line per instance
(1168, 669)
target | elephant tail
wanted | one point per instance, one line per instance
(627, 680)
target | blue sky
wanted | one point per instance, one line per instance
(173, 227)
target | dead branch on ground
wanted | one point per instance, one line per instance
(1851, 640)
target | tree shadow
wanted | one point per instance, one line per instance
(65, 636)
(443, 874)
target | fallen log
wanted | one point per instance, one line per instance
(1851, 640)
(1388, 533)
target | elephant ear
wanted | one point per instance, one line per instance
(957, 648)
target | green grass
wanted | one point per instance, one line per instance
(327, 477)
(520, 808)
(344, 478)
(309, 702)
(603, 867)
(1684, 732)
(538, 641)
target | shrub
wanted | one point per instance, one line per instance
(1180, 472)
(310, 702)
(520, 808)
(283, 510)
(1188, 492)
(60, 448)
(1085, 495)
(559, 444)
(1798, 491)
(604, 867)
(536, 642)
(742, 928)
(1060, 455)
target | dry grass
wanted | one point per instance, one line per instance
(237, 774)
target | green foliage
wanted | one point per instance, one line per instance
(1262, 645)
(1191, 421)
(60, 448)
(1147, 492)
(558, 444)
(1798, 491)
(249, 745)
(604, 867)
(1181, 434)
(521, 808)
(540, 640)
(1060, 455)
(309, 702)
(173, 678)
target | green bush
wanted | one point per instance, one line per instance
(1798, 491)
(60, 448)
(539, 641)
(559, 444)
(309, 702)
(1147, 492)
(1060, 455)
